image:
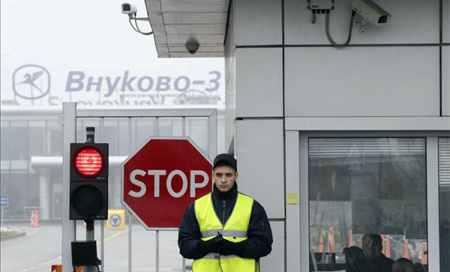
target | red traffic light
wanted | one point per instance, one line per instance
(89, 162)
(88, 181)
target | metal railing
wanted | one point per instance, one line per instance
(71, 116)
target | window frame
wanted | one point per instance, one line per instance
(432, 187)
(439, 195)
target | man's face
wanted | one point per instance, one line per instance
(369, 248)
(224, 178)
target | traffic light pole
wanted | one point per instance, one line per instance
(89, 230)
(90, 234)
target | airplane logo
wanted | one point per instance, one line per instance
(31, 82)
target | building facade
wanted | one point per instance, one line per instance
(349, 140)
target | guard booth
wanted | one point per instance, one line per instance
(141, 248)
(350, 139)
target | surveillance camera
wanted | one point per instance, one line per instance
(371, 12)
(192, 45)
(128, 8)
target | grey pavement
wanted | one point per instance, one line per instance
(41, 247)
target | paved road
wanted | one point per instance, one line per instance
(41, 248)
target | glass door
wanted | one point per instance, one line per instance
(367, 203)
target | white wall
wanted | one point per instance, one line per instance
(412, 22)
(259, 151)
(446, 21)
(259, 82)
(446, 58)
(253, 22)
(362, 81)
(258, 22)
(292, 208)
(446, 80)
(230, 80)
(275, 261)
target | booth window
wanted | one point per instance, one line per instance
(19, 146)
(54, 138)
(371, 189)
(444, 202)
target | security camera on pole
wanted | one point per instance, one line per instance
(368, 10)
(131, 11)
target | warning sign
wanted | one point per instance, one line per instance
(116, 220)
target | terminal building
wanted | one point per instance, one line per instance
(32, 152)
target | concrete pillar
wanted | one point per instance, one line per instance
(44, 194)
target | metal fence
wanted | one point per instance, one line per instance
(130, 121)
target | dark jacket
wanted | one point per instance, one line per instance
(258, 244)
(381, 264)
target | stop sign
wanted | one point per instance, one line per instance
(162, 178)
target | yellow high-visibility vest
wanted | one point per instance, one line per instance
(235, 230)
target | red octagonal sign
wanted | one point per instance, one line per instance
(162, 178)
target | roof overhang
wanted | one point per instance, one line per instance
(175, 21)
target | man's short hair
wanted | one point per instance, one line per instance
(375, 238)
(225, 160)
(403, 265)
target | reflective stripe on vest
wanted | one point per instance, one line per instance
(235, 230)
(216, 256)
(230, 233)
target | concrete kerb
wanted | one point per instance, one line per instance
(14, 234)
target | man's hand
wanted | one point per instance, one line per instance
(221, 246)
(212, 245)
(215, 244)
(230, 248)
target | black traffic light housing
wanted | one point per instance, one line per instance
(88, 190)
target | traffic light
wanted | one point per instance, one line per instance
(88, 181)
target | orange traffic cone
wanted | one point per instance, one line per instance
(34, 219)
(406, 249)
(58, 268)
(331, 247)
(350, 238)
(388, 246)
(321, 241)
(424, 253)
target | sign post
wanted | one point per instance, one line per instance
(4, 202)
(162, 178)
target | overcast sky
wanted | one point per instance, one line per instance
(89, 36)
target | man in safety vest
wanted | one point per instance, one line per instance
(225, 230)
